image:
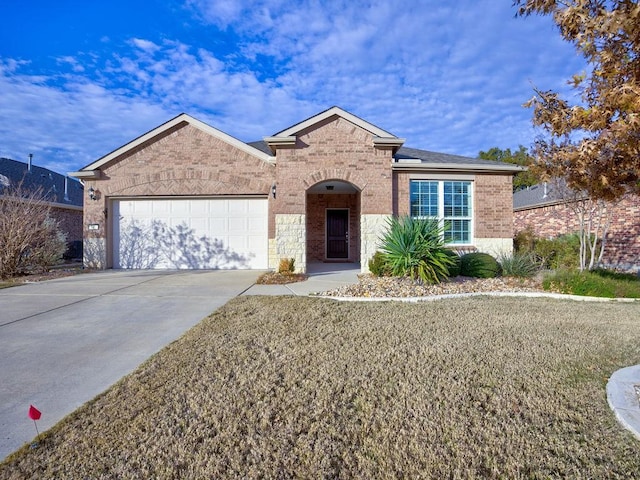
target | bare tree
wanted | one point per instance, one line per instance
(594, 217)
(29, 237)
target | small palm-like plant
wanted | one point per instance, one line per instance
(415, 248)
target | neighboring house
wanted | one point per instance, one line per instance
(186, 195)
(542, 209)
(64, 194)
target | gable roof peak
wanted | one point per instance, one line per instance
(335, 110)
(90, 171)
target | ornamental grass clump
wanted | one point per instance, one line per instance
(519, 265)
(414, 248)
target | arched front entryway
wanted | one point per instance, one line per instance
(333, 222)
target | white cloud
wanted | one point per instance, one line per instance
(449, 77)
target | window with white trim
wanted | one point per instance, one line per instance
(449, 202)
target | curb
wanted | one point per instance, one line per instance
(623, 395)
(430, 298)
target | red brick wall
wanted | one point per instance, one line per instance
(316, 224)
(334, 150)
(70, 222)
(493, 206)
(492, 203)
(623, 242)
(184, 161)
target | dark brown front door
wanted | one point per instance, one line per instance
(338, 233)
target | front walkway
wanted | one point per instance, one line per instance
(322, 277)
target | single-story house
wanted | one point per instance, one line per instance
(186, 195)
(544, 210)
(64, 195)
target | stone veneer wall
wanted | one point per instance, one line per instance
(94, 253)
(623, 242)
(495, 246)
(371, 229)
(291, 236)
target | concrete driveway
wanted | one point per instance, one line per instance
(62, 342)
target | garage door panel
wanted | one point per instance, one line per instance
(158, 207)
(190, 233)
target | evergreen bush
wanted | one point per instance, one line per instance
(479, 265)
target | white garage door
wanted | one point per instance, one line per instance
(190, 233)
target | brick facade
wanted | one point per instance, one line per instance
(623, 241)
(187, 158)
(183, 161)
(318, 204)
(70, 222)
(332, 150)
(492, 202)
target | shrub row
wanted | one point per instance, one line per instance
(594, 283)
(478, 265)
(550, 253)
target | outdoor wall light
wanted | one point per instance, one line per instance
(92, 193)
(273, 190)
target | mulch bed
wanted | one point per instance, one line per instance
(275, 278)
(372, 286)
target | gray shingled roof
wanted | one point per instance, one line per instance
(262, 146)
(407, 153)
(52, 183)
(444, 158)
(536, 195)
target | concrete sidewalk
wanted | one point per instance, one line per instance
(64, 341)
(623, 395)
(322, 277)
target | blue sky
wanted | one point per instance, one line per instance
(79, 79)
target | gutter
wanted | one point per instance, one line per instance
(456, 167)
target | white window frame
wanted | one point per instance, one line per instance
(441, 217)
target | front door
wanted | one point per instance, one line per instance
(338, 233)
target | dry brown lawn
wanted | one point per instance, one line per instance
(284, 387)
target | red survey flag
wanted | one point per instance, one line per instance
(34, 413)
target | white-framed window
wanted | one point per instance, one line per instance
(450, 201)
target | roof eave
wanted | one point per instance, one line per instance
(453, 167)
(85, 174)
(329, 113)
(549, 203)
(182, 118)
(391, 142)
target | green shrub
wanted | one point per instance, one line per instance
(414, 247)
(524, 241)
(378, 265)
(603, 272)
(592, 284)
(551, 253)
(560, 252)
(519, 265)
(454, 268)
(479, 265)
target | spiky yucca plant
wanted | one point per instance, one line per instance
(415, 248)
